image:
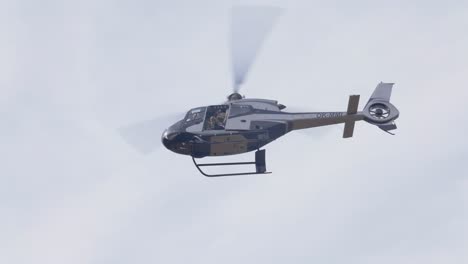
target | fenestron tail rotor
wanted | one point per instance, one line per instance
(250, 25)
(379, 111)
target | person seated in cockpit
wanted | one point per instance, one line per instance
(220, 119)
(211, 122)
(216, 120)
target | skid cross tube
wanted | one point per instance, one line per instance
(259, 164)
(226, 164)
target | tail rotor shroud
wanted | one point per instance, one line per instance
(379, 111)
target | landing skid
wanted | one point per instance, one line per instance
(260, 166)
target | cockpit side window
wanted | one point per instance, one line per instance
(195, 116)
(216, 117)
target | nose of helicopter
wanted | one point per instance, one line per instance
(167, 138)
(177, 140)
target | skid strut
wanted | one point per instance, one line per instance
(260, 166)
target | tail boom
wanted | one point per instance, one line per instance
(309, 120)
(378, 111)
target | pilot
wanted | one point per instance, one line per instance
(220, 118)
(212, 122)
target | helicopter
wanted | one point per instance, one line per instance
(241, 125)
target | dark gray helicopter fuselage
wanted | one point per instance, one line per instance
(246, 125)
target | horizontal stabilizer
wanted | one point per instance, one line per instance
(348, 129)
(353, 104)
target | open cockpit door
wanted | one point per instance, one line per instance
(216, 117)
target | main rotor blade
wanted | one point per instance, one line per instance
(250, 26)
(145, 136)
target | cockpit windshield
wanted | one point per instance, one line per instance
(195, 115)
(216, 117)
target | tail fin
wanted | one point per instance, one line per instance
(379, 111)
(382, 92)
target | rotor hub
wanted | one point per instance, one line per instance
(234, 97)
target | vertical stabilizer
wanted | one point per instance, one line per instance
(382, 92)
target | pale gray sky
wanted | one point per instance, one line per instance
(72, 191)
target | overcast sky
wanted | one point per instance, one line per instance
(72, 191)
